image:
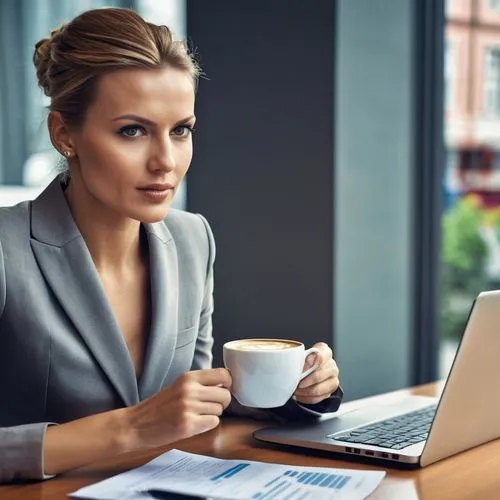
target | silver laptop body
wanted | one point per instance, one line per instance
(466, 415)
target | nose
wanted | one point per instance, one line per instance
(163, 156)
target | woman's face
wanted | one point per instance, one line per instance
(135, 145)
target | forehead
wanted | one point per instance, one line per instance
(157, 94)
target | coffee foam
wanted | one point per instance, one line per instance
(264, 345)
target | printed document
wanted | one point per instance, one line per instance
(207, 477)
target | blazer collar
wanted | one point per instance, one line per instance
(51, 219)
(67, 265)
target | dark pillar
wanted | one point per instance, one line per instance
(263, 165)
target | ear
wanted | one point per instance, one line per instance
(60, 134)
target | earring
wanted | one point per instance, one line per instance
(67, 154)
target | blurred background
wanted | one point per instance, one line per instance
(347, 155)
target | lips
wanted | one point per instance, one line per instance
(157, 193)
(157, 187)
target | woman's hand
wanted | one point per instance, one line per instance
(320, 384)
(189, 406)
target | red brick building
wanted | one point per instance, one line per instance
(472, 97)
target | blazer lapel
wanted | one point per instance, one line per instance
(67, 266)
(164, 307)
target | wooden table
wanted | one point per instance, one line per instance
(474, 474)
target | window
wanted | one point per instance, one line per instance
(449, 76)
(495, 5)
(26, 155)
(492, 81)
(470, 239)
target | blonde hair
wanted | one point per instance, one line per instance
(69, 62)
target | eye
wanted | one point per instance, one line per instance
(183, 130)
(132, 131)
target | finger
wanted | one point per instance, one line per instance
(208, 408)
(206, 423)
(323, 390)
(319, 376)
(329, 369)
(218, 395)
(323, 347)
(325, 351)
(319, 358)
(214, 377)
(310, 401)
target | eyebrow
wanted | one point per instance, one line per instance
(151, 123)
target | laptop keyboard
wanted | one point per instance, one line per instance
(396, 432)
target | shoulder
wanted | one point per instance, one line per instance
(191, 229)
(15, 226)
(192, 237)
(14, 219)
(179, 221)
(14, 235)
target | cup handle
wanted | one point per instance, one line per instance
(314, 367)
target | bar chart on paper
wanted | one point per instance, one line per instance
(292, 483)
(207, 477)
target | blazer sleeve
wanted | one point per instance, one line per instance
(21, 447)
(204, 342)
(21, 452)
(291, 411)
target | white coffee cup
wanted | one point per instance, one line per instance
(265, 372)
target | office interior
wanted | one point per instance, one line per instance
(345, 156)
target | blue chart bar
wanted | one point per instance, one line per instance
(323, 480)
(321, 477)
(311, 478)
(230, 472)
(290, 480)
(343, 482)
(329, 479)
(334, 480)
(340, 482)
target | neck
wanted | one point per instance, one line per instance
(114, 241)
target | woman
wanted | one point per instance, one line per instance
(106, 293)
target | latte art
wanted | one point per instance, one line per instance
(264, 345)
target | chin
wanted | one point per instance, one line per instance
(151, 216)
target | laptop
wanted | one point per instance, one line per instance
(416, 431)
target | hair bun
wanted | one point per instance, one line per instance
(42, 59)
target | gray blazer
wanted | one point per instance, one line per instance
(62, 355)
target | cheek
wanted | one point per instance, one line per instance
(96, 151)
(108, 154)
(184, 156)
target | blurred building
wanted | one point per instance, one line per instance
(472, 99)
